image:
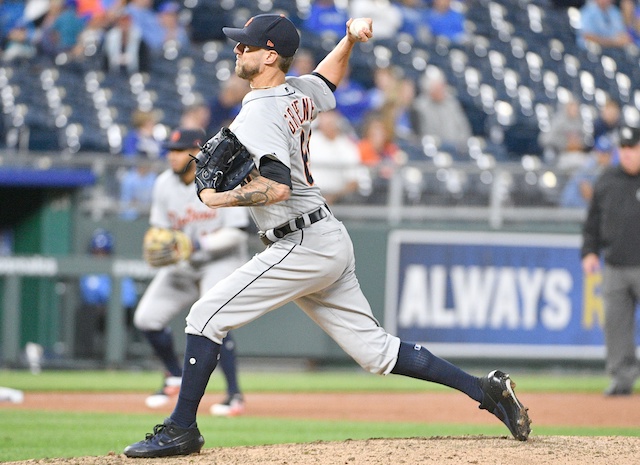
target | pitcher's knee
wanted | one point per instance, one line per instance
(380, 366)
(202, 324)
(375, 370)
(380, 359)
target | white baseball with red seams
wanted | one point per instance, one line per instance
(358, 25)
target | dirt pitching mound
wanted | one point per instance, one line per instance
(542, 450)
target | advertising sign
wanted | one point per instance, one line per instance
(493, 295)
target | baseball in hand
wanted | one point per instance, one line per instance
(358, 25)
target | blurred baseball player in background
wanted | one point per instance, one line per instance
(309, 258)
(217, 246)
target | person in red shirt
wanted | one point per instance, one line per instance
(377, 146)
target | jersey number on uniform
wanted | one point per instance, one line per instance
(304, 150)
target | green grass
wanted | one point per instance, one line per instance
(97, 434)
(32, 434)
(324, 381)
(36, 434)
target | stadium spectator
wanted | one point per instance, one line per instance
(326, 18)
(146, 18)
(631, 15)
(335, 158)
(196, 116)
(440, 114)
(385, 84)
(611, 230)
(567, 139)
(61, 28)
(353, 100)
(99, 16)
(226, 104)
(608, 121)
(578, 191)
(18, 33)
(386, 16)
(415, 17)
(170, 23)
(136, 187)
(404, 115)
(136, 182)
(123, 49)
(446, 19)
(602, 23)
(377, 146)
(94, 9)
(393, 96)
(140, 141)
(11, 14)
(303, 63)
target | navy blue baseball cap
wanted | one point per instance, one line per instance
(183, 139)
(272, 32)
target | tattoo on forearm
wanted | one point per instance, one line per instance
(258, 192)
(247, 199)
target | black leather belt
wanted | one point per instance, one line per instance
(301, 222)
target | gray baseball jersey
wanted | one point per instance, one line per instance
(175, 287)
(277, 122)
(313, 266)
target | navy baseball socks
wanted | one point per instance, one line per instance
(162, 343)
(228, 364)
(233, 404)
(494, 391)
(179, 434)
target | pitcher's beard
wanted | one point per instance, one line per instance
(244, 72)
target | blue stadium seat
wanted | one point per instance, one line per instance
(523, 54)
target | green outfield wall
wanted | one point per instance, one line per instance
(39, 291)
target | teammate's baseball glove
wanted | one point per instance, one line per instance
(162, 246)
(222, 163)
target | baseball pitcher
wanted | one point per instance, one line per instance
(309, 258)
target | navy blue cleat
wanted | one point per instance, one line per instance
(500, 399)
(167, 440)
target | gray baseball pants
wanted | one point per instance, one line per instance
(621, 294)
